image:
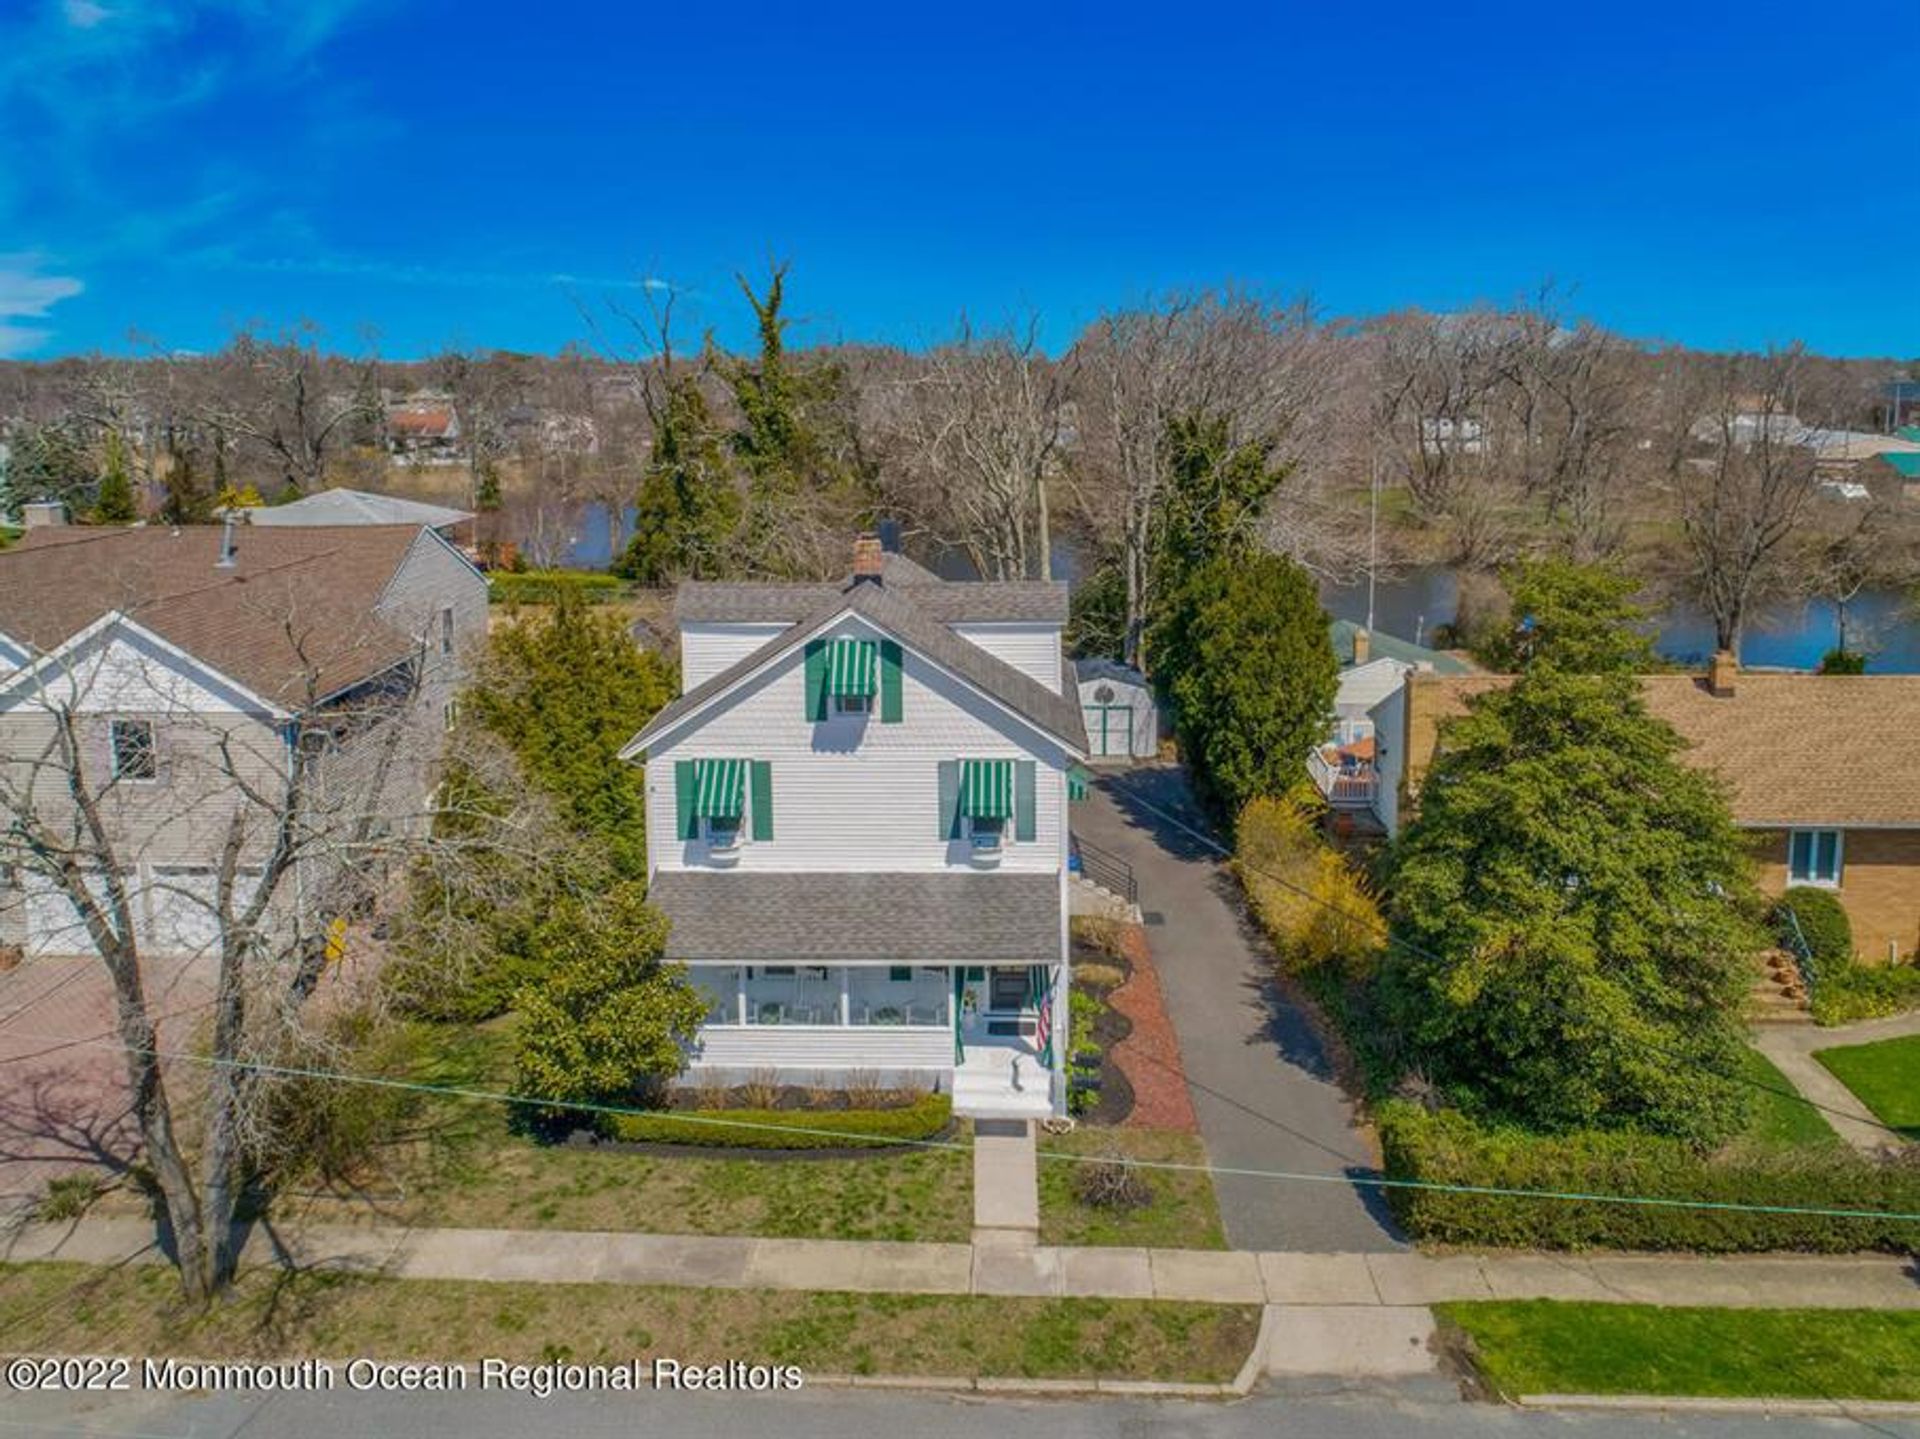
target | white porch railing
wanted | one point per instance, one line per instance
(1344, 788)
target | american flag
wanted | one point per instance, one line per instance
(1043, 1026)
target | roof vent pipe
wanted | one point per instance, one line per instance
(226, 544)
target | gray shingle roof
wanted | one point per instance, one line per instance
(358, 507)
(949, 601)
(901, 612)
(744, 918)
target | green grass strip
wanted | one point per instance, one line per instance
(1545, 1346)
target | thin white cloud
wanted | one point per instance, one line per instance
(28, 293)
(85, 14)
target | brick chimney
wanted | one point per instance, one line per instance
(1721, 672)
(1362, 646)
(868, 559)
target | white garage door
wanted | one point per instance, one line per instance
(54, 926)
(181, 917)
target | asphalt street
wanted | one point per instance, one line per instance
(1428, 1409)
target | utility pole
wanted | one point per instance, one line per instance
(1373, 528)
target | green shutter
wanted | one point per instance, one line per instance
(816, 653)
(762, 805)
(949, 799)
(686, 823)
(890, 701)
(1023, 783)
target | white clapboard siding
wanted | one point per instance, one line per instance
(1032, 648)
(855, 795)
(800, 1047)
(708, 648)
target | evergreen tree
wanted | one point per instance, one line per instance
(1246, 659)
(564, 691)
(687, 513)
(1570, 908)
(47, 463)
(1216, 492)
(608, 1021)
(186, 502)
(114, 503)
(486, 490)
(1577, 618)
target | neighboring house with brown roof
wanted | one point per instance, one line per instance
(424, 430)
(1822, 770)
(857, 829)
(190, 661)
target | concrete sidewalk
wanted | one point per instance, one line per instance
(1792, 1047)
(1385, 1281)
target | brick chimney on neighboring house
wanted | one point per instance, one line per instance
(1362, 646)
(1721, 673)
(868, 559)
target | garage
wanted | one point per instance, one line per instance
(1117, 704)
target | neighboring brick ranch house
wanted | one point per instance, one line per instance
(1822, 770)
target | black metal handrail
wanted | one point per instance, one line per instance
(1108, 870)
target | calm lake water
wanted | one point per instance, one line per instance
(1782, 636)
(1415, 602)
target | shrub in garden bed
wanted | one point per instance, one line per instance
(1823, 923)
(1844, 993)
(1448, 1148)
(927, 1117)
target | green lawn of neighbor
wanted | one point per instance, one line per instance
(1181, 1215)
(1778, 1115)
(74, 1308)
(1886, 1077)
(455, 1162)
(1548, 1347)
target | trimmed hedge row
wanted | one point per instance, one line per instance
(543, 586)
(1449, 1148)
(926, 1118)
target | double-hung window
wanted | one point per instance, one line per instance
(1813, 857)
(134, 755)
(446, 630)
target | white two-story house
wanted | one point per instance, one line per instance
(857, 826)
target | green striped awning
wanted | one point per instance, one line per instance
(852, 667)
(986, 788)
(720, 788)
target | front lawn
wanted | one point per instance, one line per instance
(1181, 1213)
(1547, 1347)
(1779, 1115)
(1885, 1076)
(460, 1163)
(72, 1308)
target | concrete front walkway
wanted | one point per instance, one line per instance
(1006, 1179)
(1384, 1281)
(1262, 1088)
(1791, 1047)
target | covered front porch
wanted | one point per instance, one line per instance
(985, 1033)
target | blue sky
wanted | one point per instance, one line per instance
(422, 173)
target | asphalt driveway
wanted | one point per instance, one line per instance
(1262, 1085)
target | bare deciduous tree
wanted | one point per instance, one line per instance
(974, 434)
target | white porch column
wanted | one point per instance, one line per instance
(846, 1002)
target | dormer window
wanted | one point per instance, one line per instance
(852, 675)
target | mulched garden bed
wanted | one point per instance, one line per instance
(1149, 1056)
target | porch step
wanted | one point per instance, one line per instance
(1779, 996)
(991, 1095)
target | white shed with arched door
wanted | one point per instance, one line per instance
(1123, 723)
